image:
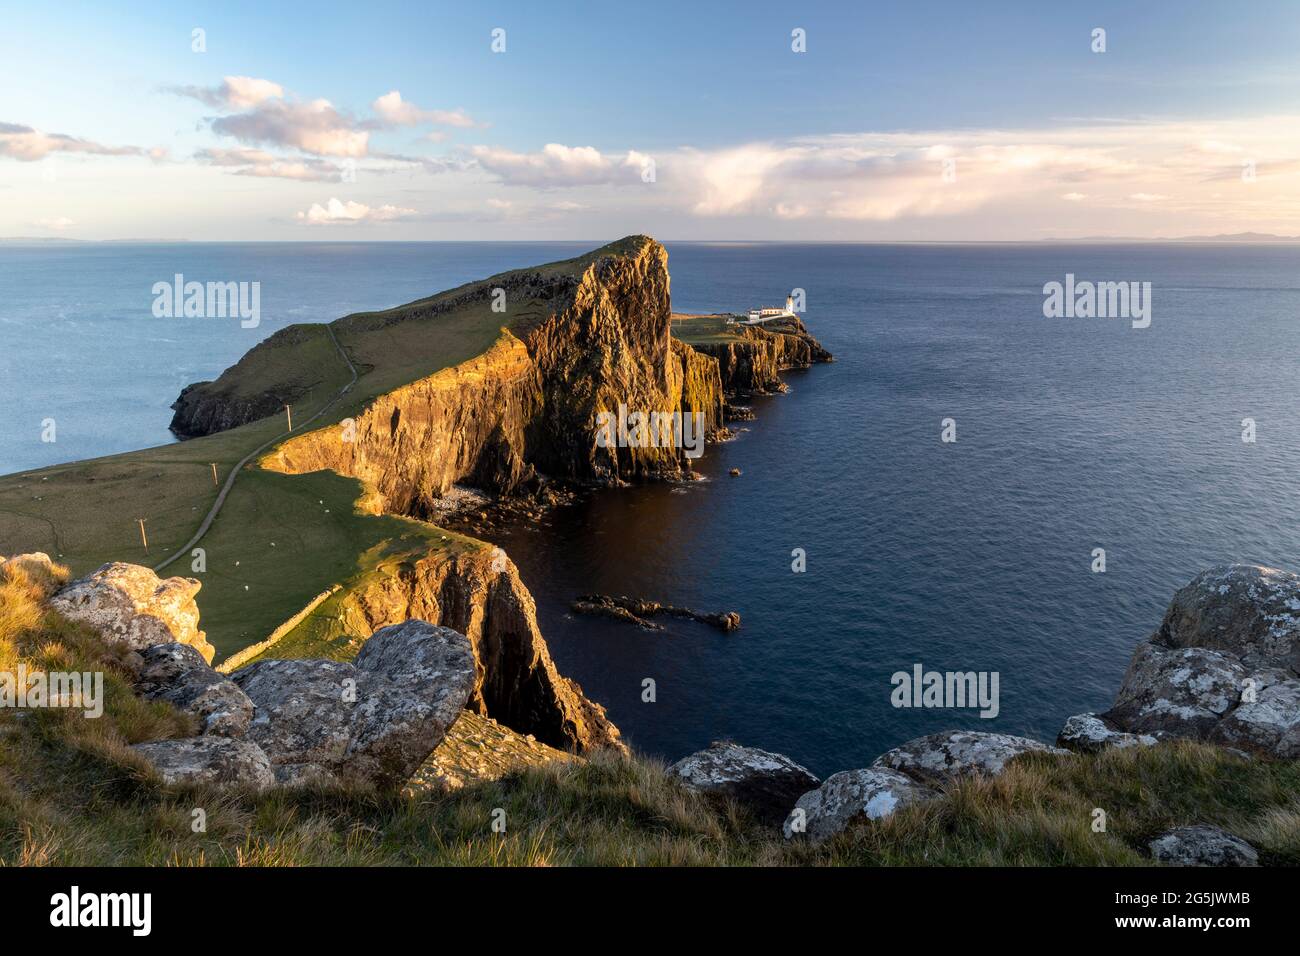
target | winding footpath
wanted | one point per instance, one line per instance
(234, 472)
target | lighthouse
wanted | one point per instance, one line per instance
(789, 304)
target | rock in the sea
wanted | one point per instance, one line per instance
(1088, 733)
(223, 761)
(767, 783)
(1223, 665)
(1202, 846)
(853, 796)
(131, 605)
(178, 674)
(376, 720)
(952, 754)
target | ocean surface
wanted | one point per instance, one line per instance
(1072, 434)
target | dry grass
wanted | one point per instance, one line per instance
(73, 793)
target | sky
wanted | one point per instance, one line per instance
(926, 120)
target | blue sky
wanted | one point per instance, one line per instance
(931, 120)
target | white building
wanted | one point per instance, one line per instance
(759, 316)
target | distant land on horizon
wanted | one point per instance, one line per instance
(1238, 237)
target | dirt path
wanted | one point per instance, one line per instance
(234, 472)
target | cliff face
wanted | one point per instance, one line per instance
(751, 366)
(479, 594)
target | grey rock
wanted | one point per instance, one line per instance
(178, 674)
(1088, 733)
(130, 605)
(1181, 691)
(414, 679)
(223, 761)
(1269, 723)
(953, 754)
(376, 720)
(303, 712)
(768, 783)
(851, 797)
(1202, 846)
(1250, 611)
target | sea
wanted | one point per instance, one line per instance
(857, 543)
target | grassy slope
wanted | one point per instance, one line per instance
(72, 793)
(84, 513)
(704, 329)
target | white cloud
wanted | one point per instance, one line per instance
(393, 109)
(315, 127)
(1074, 197)
(337, 212)
(57, 224)
(261, 164)
(1147, 197)
(234, 92)
(28, 145)
(558, 165)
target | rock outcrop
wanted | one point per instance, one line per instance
(851, 797)
(374, 720)
(530, 405)
(1088, 733)
(1224, 665)
(477, 749)
(638, 611)
(128, 604)
(479, 593)
(178, 674)
(767, 783)
(950, 755)
(751, 364)
(1202, 846)
(216, 761)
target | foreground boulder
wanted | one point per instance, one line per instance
(1088, 733)
(375, 720)
(1202, 846)
(950, 755)
(220, 761)
(1224, 665)
(851, 797)
(128, 604)
(767, 783)
(178, 674)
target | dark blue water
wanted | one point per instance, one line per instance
(1073, 434)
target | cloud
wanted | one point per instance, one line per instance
(261, 164)
(234, 92)
(557, 165)
(57, 224)
(391, 108)
(336, 212)
(315, 127)
(28, 145)
(1074, 197)
(1147, 197)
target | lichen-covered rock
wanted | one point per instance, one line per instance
(1088, 733)
(1202, 846)
(1270, 723)
(952, 754)
(131, 605)
(376, 720)
(1223, 665)
(223, 761)
(477, 749)
(1250, 611)
(1182, 691)
(303, 715)
(850, 797)
(767, 783)
(414, 680)
(178, 674)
